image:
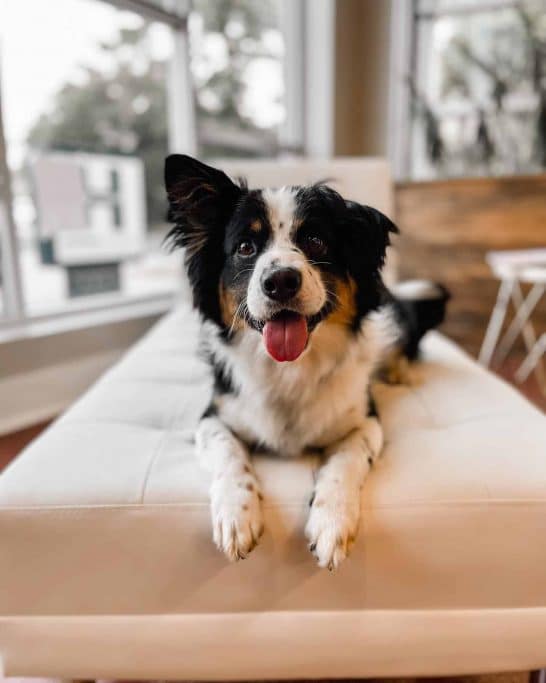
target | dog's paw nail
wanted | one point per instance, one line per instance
(236, 517)
(331, 529)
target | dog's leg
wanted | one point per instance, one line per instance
(235, 495)
(335, 506)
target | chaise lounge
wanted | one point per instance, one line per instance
(108, 570)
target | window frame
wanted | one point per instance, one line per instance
(15, 320)
(303, 126)
(405, 50)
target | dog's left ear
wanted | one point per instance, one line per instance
(366, 243)
(369, 235)
(201, 201)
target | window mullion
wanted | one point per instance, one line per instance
(180, 98)
(152, 11)
(292, 131)
(11, 274)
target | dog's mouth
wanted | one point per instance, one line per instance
(285, 335)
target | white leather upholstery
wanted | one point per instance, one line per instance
(107, 567)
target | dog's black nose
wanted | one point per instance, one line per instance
(281, 284)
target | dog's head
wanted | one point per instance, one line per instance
(277, 261)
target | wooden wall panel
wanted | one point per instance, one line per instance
(447, 228)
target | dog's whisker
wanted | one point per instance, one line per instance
(236, 316)
(242, 272)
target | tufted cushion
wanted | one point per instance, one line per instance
(105, 533)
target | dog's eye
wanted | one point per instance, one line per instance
(246, 249)
(314, 246)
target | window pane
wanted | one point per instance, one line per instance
(84, 92)
(479, 100)
(237, 65)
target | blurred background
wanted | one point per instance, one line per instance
(95, 93)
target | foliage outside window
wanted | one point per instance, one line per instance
(235, 44)
(97, 116)
(479, 95)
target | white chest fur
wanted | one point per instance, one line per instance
(308, 403)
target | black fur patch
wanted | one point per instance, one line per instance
(372, 406)
(202, 200)
(210, 411)
(223, 382)
(415, 317)
(357, 237)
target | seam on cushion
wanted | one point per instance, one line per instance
(437, 424)
(155, 455)
(155, 380)
(395, 434)
(417, 394)
(68, 509)
(67, 421)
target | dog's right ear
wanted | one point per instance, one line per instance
(201, 201)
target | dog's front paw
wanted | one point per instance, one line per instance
(237, 521)
(332, 525)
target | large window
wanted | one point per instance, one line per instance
(237, 65)
(84, 100)
(477, 87)
(94, 94)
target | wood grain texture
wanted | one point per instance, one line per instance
(448, 226)
(12, 444)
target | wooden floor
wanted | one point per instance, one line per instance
(12, 444)
(518, 677)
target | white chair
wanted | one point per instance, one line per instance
(514, 268)
(532, 360)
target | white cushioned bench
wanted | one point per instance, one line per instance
(108, 570)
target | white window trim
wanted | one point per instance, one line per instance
(292, 130)
(105, 310)
(11, 276)
(308, 28)
(318, 85)
(402, 59)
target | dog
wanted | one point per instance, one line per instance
(296, 323)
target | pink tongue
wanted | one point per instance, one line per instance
(285, 337)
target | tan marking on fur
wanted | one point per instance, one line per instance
(345, 306)
(256, 225)
(396, 369)
(181, 193)
(228, 308)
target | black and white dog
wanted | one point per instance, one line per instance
(296, 321)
